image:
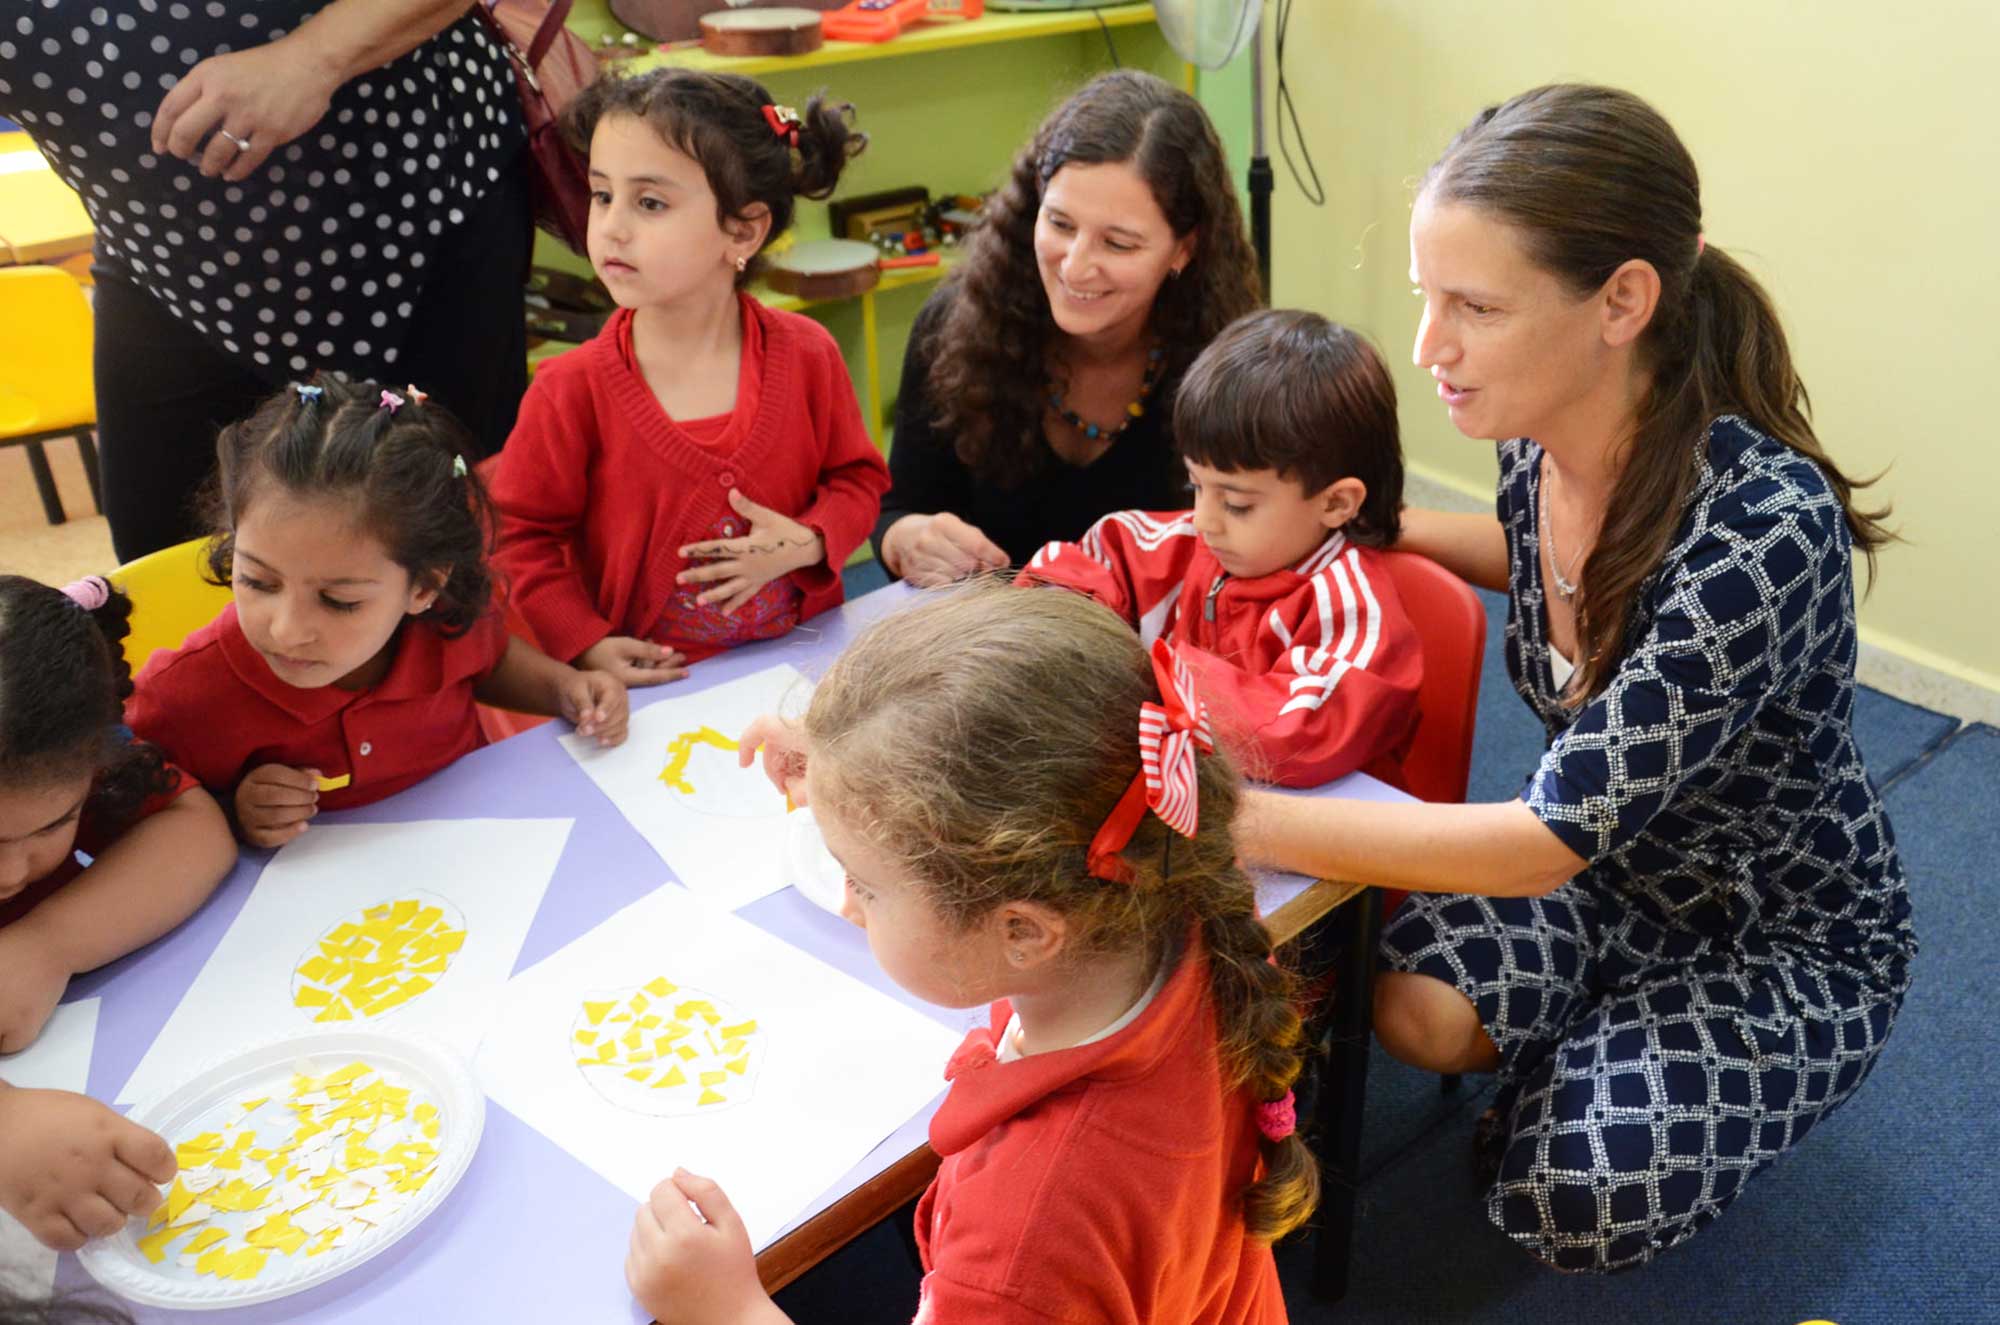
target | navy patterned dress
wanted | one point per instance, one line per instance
(1724, 972)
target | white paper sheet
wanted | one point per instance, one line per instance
(837, 1065)
(58, 1060)
(486, 877)
(718, 827)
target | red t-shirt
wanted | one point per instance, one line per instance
(217, 708)
(93, 837)
(1098, 1184)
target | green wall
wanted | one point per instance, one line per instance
(1848, 156)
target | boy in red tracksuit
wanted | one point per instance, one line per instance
(1272, 589)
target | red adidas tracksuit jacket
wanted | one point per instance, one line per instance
(1309, 673)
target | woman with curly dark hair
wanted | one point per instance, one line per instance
(1039, 378)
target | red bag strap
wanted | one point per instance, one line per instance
(545, 36)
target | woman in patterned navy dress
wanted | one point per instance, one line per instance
(1687, 940)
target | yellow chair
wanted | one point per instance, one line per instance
(170, 600)
(46, 389)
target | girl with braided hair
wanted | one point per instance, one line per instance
(1032, 815)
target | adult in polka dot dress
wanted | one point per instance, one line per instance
(277, 187)
(1685, 944)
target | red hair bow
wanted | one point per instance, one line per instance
(784, 122)
(1170, 734)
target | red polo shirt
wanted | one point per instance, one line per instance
(217, 708)
(1098, 1184)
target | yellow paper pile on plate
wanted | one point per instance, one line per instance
(337, 1157)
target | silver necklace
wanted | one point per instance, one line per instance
(1563, 586)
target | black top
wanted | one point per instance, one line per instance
(314, 261)
(1139, 472)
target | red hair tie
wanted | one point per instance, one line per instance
(784, 122)
(1169, 734)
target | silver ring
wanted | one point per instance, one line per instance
(242, 144)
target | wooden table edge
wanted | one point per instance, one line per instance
(846, 1219)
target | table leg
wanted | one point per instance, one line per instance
(872, 353)
(1344, 1090)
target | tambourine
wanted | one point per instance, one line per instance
(824, 269)
(761, 32)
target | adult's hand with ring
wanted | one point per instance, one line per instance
(232, 111)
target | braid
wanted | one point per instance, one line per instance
(1262, 1044)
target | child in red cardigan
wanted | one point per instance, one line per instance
(1272, 588)
(695, 476)
(1032, 814)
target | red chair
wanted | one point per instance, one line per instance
(1451, 622)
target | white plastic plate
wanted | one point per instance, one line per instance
(809, 866)
(211, 1098)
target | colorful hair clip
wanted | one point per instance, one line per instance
(458, 466)
(784, 122)
(308, 395)
(89, 593)
(417, 397)
(391, 402)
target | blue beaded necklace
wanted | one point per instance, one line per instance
(1156, 359)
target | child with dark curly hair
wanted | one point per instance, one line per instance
(104, 846)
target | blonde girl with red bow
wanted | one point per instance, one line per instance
(696, 475)
(1032, 815)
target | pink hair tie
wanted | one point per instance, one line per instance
(391, 402)
(89, 593)
(1278, 1119)
(1700, 244)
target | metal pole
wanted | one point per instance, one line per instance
(1261, 181)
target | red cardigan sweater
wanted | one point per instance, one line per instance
(598, 488)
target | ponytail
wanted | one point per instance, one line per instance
(64, 679)
(827, 142)
(1591, 178)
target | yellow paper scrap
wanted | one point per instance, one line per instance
(335, 783)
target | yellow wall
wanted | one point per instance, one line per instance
(1849, 156)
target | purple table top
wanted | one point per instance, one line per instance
(530, 1234)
